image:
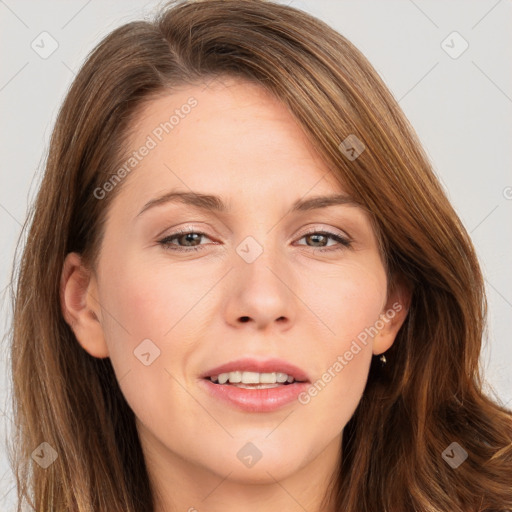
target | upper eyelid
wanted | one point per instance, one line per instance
(195, 229)
(334, 231)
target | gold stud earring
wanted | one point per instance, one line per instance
(383, 360)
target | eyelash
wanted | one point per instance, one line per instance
(344, 243)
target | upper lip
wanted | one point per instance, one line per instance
(260, 366)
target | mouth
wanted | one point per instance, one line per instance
(253, 380)
(256, 386)
(251, 373)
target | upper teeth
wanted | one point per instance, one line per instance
(251, 377)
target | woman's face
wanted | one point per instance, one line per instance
(257, 280)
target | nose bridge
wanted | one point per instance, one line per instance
(259, 260)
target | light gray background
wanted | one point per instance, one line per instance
(460, 107)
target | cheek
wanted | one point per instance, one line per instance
(139, 307)
(146, 299)
(347, 299)
(150, 321)
(150, 339)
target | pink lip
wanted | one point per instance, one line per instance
(257, 400)
(253, 365)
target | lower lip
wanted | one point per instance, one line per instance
(256, 400)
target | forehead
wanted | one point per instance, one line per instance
(229, 137)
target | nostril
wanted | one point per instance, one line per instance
(244, 318)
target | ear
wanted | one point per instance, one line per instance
(80, 306)
(392, 316)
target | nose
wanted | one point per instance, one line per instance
(261, 292)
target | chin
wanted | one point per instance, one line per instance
(258, 460)
(261, 473)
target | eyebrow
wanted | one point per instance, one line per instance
(214, 203)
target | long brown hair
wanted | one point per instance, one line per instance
(429, 394)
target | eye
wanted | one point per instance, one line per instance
(183, 236)
(324, 236)
(194, 238)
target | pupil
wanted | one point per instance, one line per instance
(315, 237)
(189, 237)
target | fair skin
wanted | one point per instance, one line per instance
(302, 305)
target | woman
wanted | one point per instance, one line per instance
(243, 286)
